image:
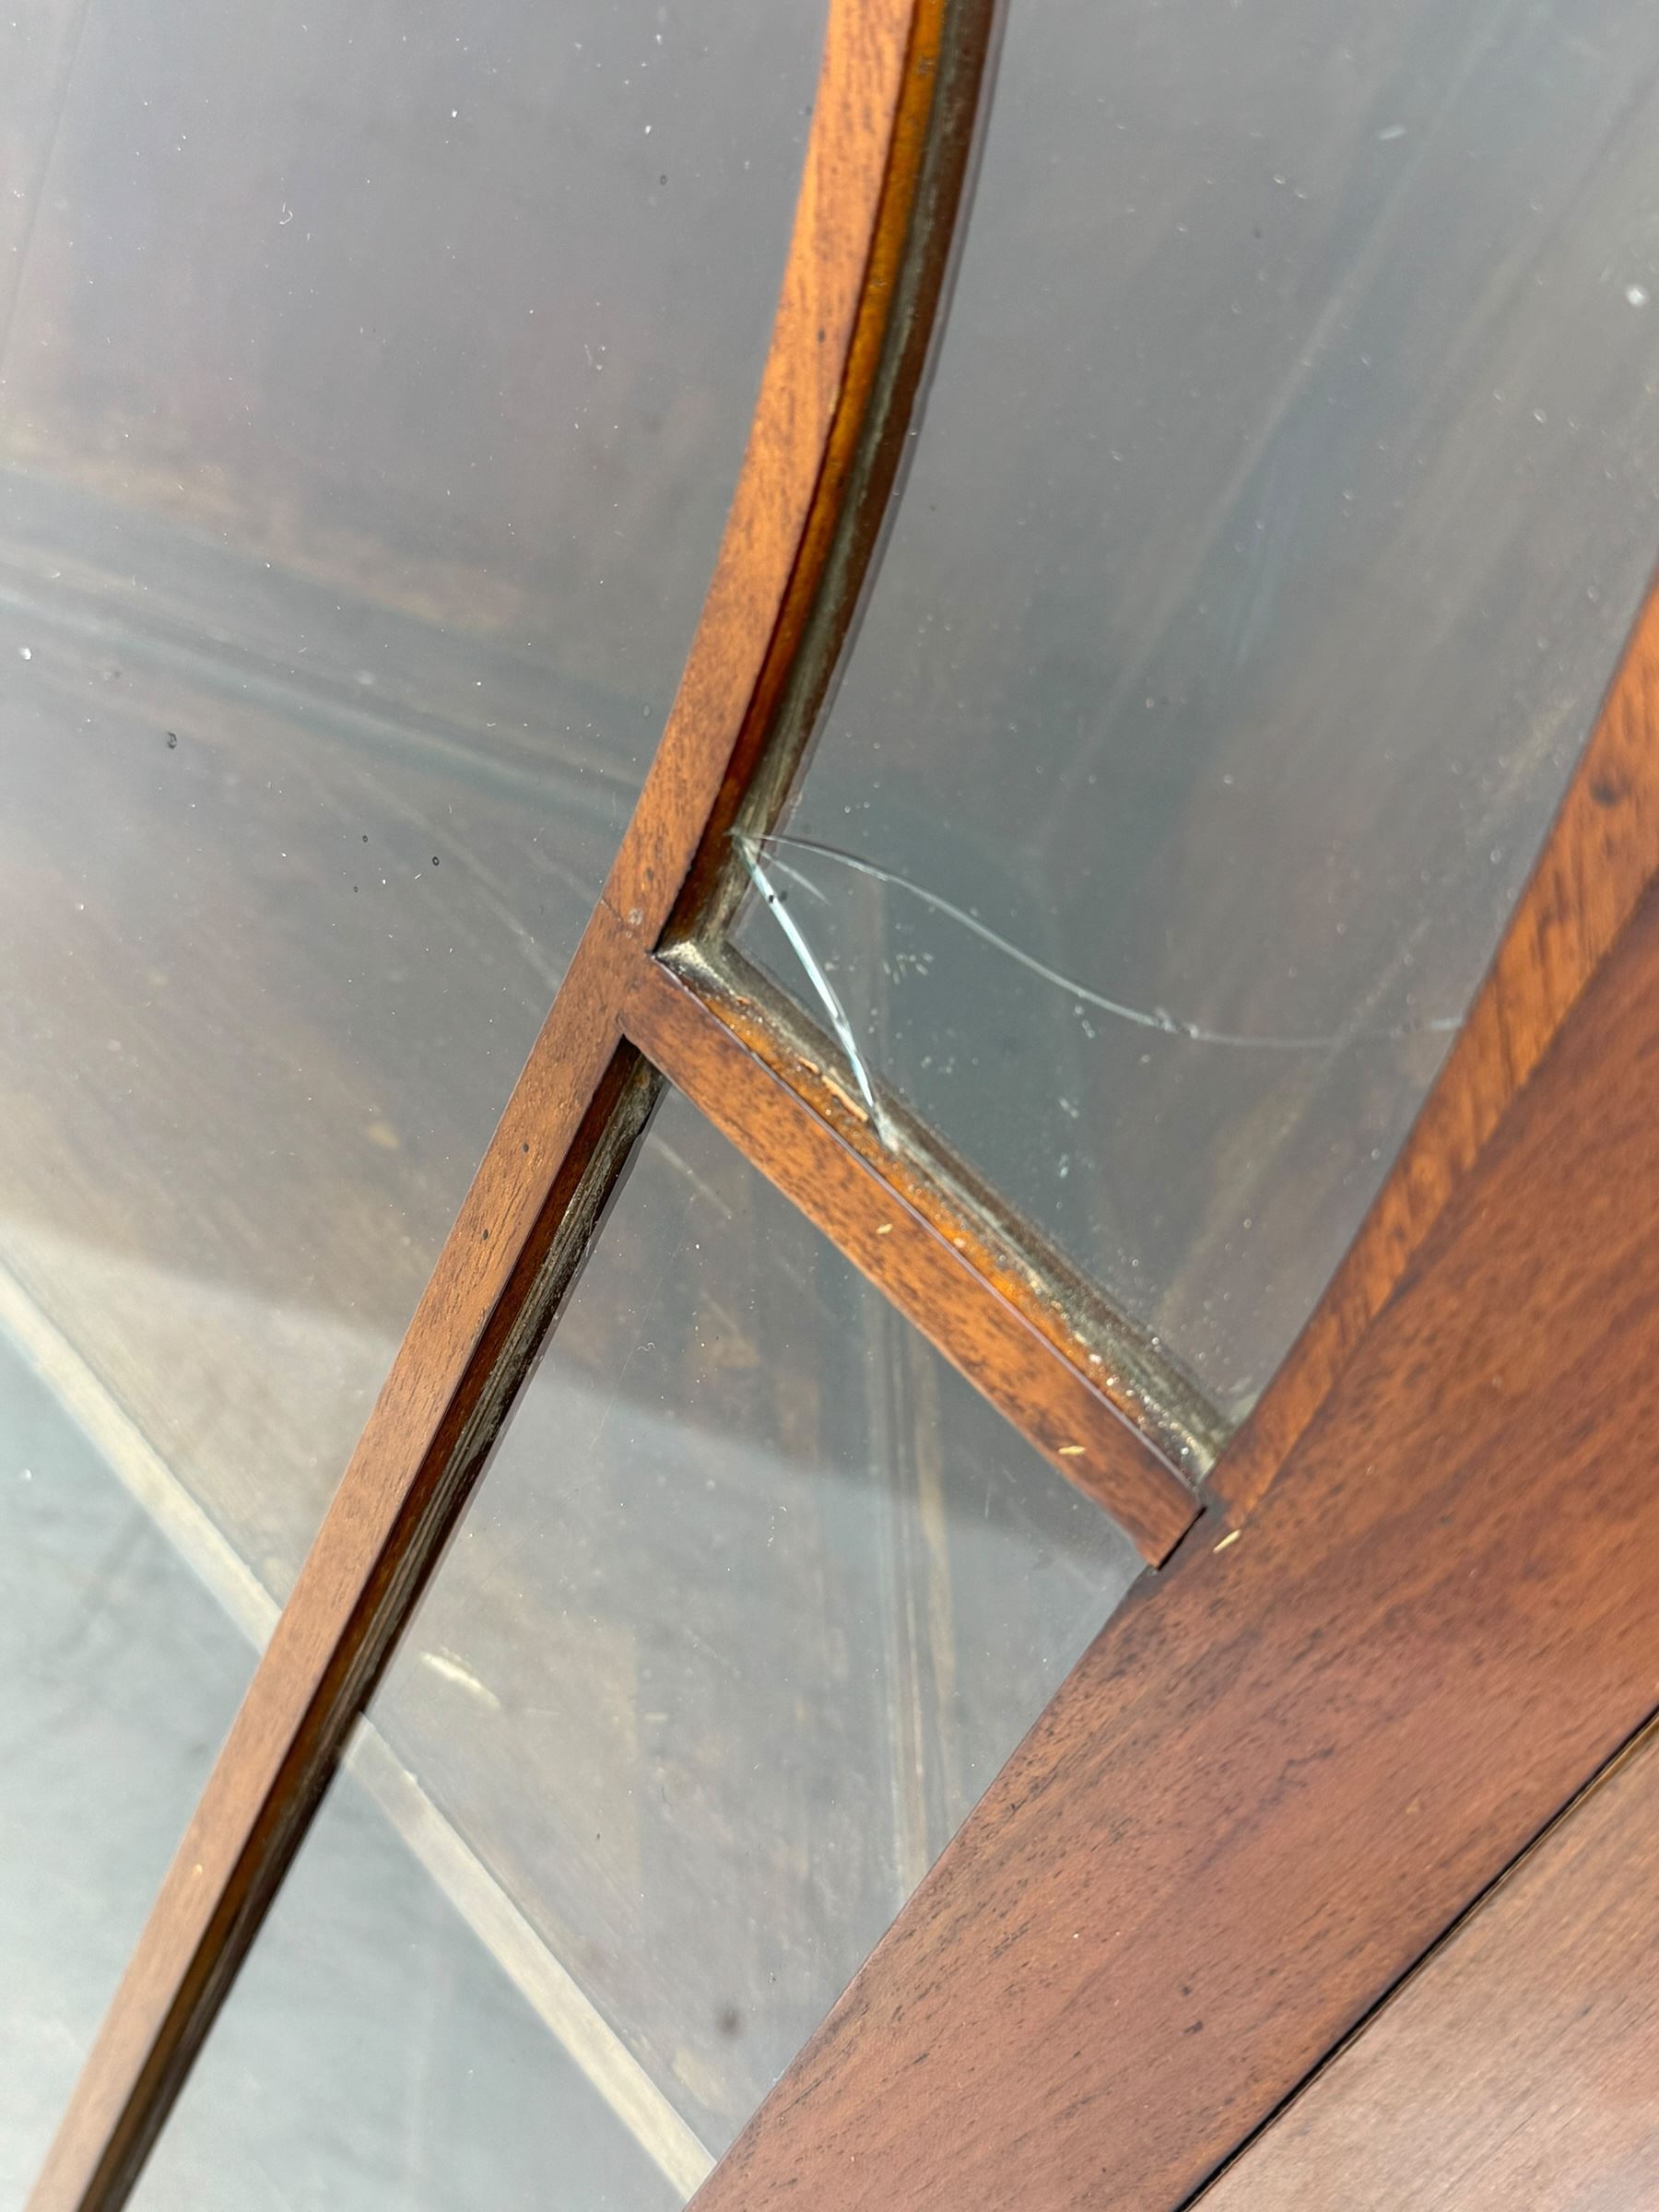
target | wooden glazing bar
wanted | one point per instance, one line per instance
(931, 1262)
(825, 453)
(445, 1855)
(568, 1125)
(519, 1236)
(1286, 1766)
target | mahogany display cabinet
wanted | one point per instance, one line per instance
(828, 1306)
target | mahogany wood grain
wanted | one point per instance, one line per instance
(1517, 2066)
(933, 1266)
(1285, 1769)
(567, 1129)
(1601, 853)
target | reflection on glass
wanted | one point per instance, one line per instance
(372, 405)
(755, 1599)
(1287, 487)
(120, 1677)
(373, 2057)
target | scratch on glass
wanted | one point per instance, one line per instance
(749, 852)
(1142, 1018)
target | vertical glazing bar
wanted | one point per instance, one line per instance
(568, 1129)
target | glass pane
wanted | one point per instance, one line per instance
(372, 405)
(755, 1599)
(1286, 487)
(120, 1677)
(374, 2058)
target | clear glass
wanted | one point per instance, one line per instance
(373, 2057)
(1286, 489)
(754, 1600)
(121, 1672)
(372, 402)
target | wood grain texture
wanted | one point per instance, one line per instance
(1276, 1778)
(1517, 2066)
(1601, 853)
(569, 1125)
(927, 1266)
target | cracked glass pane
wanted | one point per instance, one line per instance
(754, 1600)
(1286, 488)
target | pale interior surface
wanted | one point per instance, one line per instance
(379, 2057)
(369, 404)
(374, 2058)
(121, 1675)
(1285, 492)
(755, 1600)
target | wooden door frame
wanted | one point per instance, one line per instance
(1079, 1993)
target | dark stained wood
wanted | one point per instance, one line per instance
(930, 1261)
(567, 1129)
(1517, 2066)
(1601, 853)
(1164, 1796)
(1280, 1775)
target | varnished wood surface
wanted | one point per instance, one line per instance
(1158, 1398)
(1517, 2067)
(933, 1267)
(416, 1456)
(557, 1148)
(1282, 1773)
(1602, 852)
(755, 1597)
